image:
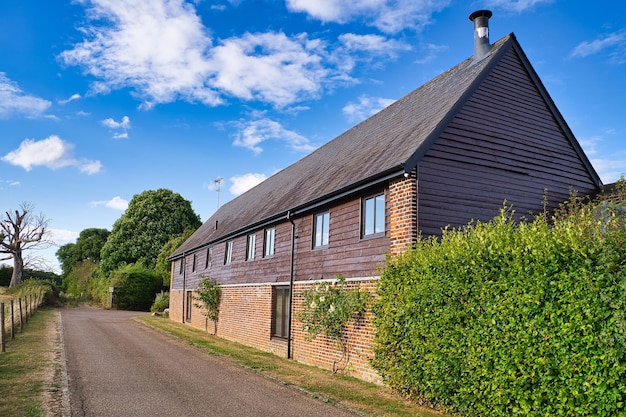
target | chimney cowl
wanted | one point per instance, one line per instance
(481, 33)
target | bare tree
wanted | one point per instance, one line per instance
(22, 230)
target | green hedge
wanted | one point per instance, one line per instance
(135, 287)
(506, 318)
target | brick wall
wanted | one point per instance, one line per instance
(246, 317)
(324, 352)
(403, 213)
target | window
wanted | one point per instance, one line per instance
(228, 253)
(189, 305)
(373, 215)
(193, 264)
(182, 267)
(280, 322)
(209, 254)
(250, 247)
(321, 228)
(268, 244)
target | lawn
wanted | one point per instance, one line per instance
(28, 365)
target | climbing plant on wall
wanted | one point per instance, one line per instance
(328, 309)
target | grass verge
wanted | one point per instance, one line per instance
(26, 365)
(366, 398)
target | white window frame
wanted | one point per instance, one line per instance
(250, 246)
(373, 211)
(269, 240)
(321, 230)
(228, 253)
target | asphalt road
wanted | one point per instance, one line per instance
(117, 367)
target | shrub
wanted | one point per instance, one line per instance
(161, 302)
(508, 318)
(208, 298)
(135, 287)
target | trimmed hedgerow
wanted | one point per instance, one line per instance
(135, 287)
(511, 318)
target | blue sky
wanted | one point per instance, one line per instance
(101, 100)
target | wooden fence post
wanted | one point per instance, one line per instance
(19, 304)
(2, 344)
(12, 319)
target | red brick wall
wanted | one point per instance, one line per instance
(403, 213)
(322, 352)
(246, 317)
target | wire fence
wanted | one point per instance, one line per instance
(15, 313)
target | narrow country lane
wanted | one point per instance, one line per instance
(117, 367)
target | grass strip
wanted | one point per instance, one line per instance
(25, 366)
(366, 398)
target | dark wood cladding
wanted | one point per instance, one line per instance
(504, 144)
(346, 253)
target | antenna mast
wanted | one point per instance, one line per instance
(218, 186)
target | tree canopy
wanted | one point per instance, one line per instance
(162, 266)
(151, 220)
(87, 248)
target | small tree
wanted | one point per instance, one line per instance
(208, 297)
(21, 230)
(327, 310)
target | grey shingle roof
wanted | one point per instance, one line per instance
(384, 143)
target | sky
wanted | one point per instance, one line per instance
(101, 100)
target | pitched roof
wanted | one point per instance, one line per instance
(385, 145)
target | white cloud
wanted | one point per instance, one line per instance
(270, 67)
(243, 183)
(163, 53)
(14, 102)
(90, 167)
(159, 48)
(430, 52)
(116, 203)
(9, 183)
(389, 16)
(516, 6)
(614, 43)
(122, 124)
(61, 236)
(73, 97)
(610, 170)
(365, 107)
(52, 152)
(252, 133)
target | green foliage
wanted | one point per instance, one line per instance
(327, 308)
(6, 271)
(75, 283)
(208, 297)
(34, 287)
(161, 302)
(509, 318)
(150, 221)
(163, 266)
(87, 248)
(5, 275)
(135, 287)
